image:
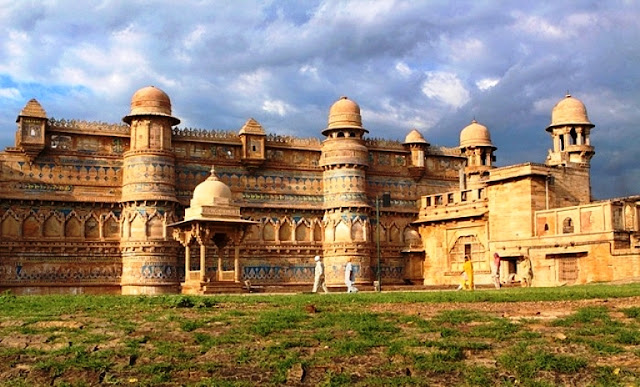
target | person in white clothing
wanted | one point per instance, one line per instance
(349, 278)
(319, 280)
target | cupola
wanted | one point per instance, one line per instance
(150, 101)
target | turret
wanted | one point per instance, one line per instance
(32, 122)
(570, 128)
(345, 159)
(476, 146)
(252, 136)
(418, 146)
(149, 165)
(149, 263)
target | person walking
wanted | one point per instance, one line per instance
(467, 269)
(495, 270)
(319, 280)
(349, 278)
(527, 272)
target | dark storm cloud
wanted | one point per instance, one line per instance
(430, 65)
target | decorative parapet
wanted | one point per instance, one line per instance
(88, 127)
(384, 143)
(295, 142)
(205, 135)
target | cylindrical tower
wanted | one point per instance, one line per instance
(149, 263)
(345, 159)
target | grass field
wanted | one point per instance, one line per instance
(583, 335)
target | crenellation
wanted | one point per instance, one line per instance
(87, 127)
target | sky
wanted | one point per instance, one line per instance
(429, 65)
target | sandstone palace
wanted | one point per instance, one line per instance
(146, 207)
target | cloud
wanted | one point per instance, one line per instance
(430, 65)
(10, 93)
(403, 69)
(487, 83)
(278, 107)
(445, 87)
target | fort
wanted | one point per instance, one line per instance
(146, 207)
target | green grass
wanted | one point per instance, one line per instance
(633, 312)
(365, 339)
(528, 362)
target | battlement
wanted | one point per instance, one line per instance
(88, 127)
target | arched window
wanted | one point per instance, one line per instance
(567, 226)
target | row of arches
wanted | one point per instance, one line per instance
(57, 224)
(67, 173)
(286, 229)
(137, 225)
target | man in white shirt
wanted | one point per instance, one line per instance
(349, 278)
(319, 280)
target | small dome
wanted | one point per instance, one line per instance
(475, 134)
(211, 191)
(344, 114)
(569, 111)
(415, 137)
(150, 101)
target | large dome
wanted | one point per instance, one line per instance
(150, 101)
(210, 192)
(344, 114)
(569, 111)
(475, 134)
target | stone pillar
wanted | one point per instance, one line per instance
(203, 261)
(580, 139)
(236, 263)
(187, 261)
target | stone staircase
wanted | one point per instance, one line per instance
(217, 287)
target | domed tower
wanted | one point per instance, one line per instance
(149, 196)
(344, 160)
(417, 145)
(476, 146)
(570, 128)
